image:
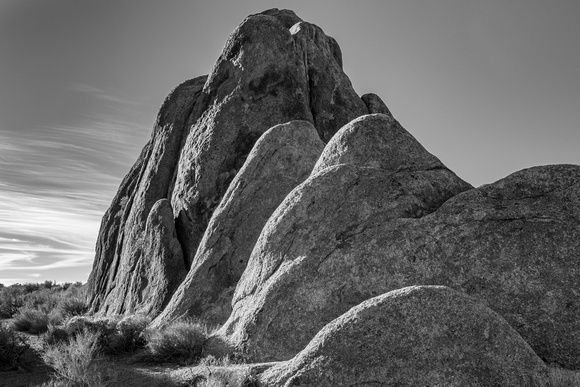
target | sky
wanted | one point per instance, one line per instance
(490, 87)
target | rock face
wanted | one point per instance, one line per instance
(281, 159)
(513, 245)
(275, 68)
(415, 336)
(155, 279)
(270, 73)
(371, 172)
(236, 213)
(121, 237)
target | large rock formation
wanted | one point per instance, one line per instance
(122, 235)
(232, 213)
(274, 68)
(512, 244)
(372, 172)
(281, 159)
(415, 336)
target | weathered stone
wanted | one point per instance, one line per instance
(274, 69)
(375, 104)
(121, 238)
(415, 336)
(282, 300)
(513, 245)
(161, 268)
(281, 159)
(377, 141)
(267, 75)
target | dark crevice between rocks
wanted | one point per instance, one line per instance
(183, 233)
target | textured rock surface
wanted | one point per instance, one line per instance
(377, 141)
(282, 299)
(415, 336)
(375, 104)
(513, 245)
(268, 74)
(121, 237)
(281, 159)
(274, 69)
(161, 269)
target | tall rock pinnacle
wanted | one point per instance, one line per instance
(275, 68)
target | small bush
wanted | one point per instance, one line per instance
(11, 299)
(76, 361)
(30, 320)
(56, 335)
(131, 330)
(115, 335)
(72, 306)
(182, 342)
(12, 348)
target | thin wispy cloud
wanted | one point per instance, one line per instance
(109, 96)
(56, 182)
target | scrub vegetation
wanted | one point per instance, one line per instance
(46, 326)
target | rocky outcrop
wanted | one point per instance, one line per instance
(415, 336)
(275, 68)
(281, 159)
(512, 245)
(158, 274)
(121, 237)
(375, 104)
(268, 74)
(230, 208)
(370, 173)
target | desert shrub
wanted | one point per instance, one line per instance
(12, 348)
(77, 361)
(29, 288)
(181, 341)
(72, 306)
(30, 320)
(48, 297)
(131, 330)
(55, 335)
(44, 300)
(11, 299)
(116, 335)
(34, 321)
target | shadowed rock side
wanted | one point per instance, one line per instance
(269, 73)
(281, 159)
(161, 269)
(416, 336)
(282, 299)
(375, 104)
(121, 237)
(272, 71)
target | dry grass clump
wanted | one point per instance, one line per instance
(12, 348)
(77, 361)
(180, 342)
(212, 361)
